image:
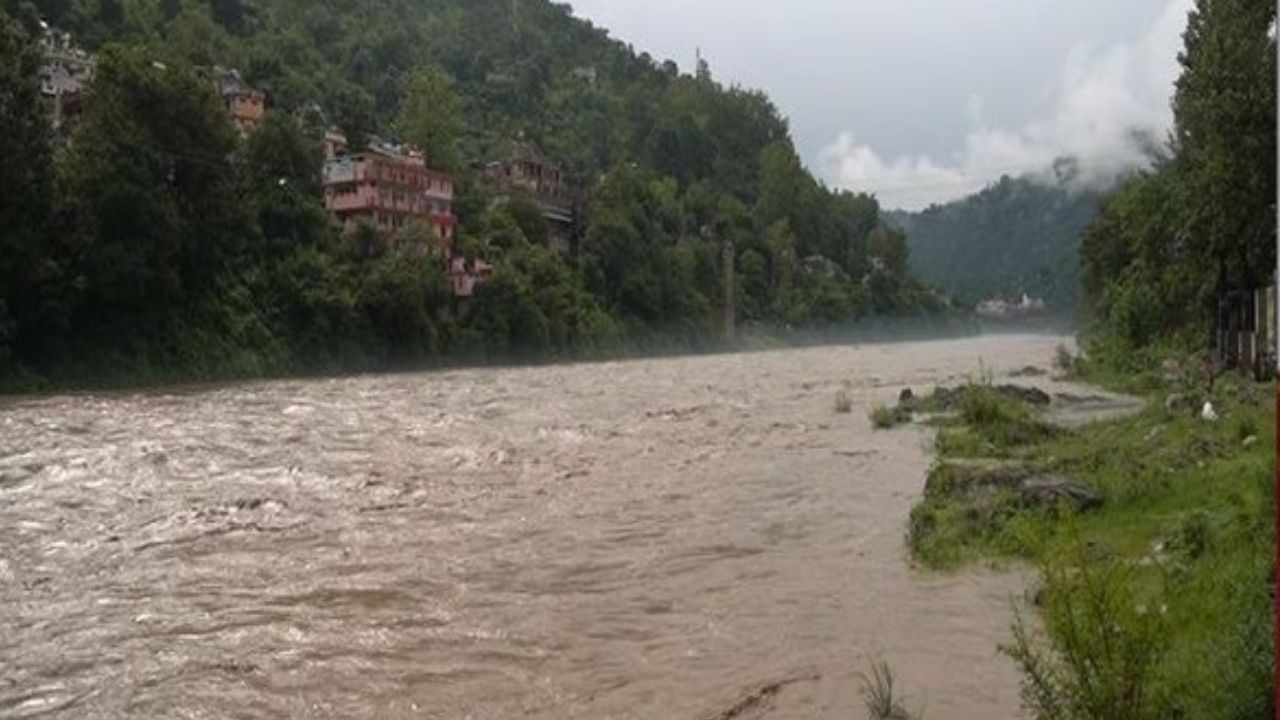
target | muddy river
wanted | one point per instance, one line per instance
(700, 537)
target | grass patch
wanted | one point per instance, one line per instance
(881, 696)
(1158, 604)
(990, 423)
(844, 400)
(943, 532)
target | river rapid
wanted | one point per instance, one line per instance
(694, 537)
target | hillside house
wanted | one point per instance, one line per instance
(389, 187)
(334, 142)
(64, 78)
(245, 104)
(528, 169)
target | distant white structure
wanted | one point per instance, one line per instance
(64, 76)
(1001, 309)
(586, 73)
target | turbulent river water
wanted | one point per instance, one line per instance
(698, 537)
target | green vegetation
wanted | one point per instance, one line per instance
(1172, 240)
(990, 422)
(879, 695)
(1019, 235)
(1110, 642)
(156, 244)
(884, 417)
(1176, 566)
(1159, 603)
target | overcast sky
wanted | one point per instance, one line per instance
(923, 101)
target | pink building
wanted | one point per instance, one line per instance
(389, 188)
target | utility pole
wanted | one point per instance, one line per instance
(726, 263)
(727, 272)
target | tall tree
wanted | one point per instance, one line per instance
(1225, 121)
(353, 111)
(889, 245)
(24, 175)
(1171, 241)
(229, 13)
(282, 167)
(429, 117)
(152, 193)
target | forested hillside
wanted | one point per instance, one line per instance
(157, 242)
(1019, 235)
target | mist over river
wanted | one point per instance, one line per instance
(695, 537)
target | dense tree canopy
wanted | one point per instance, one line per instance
(1173, 239)
(27, 178)
(429, 117)
(161, 241)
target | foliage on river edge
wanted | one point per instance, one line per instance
(1158, 604)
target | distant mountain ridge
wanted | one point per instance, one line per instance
(1018, 236)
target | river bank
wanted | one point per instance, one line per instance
(1153, 533)
(98, 374)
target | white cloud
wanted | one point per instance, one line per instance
(1104, 95)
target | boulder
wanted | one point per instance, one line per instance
(961, 477)
(1176, 403)
(1207, 412)
(945, 398)
(1049, 491)
(907, 399)
(1029, 395)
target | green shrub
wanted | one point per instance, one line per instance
(980, 406)
(942, 531)
(1108, 643)
(1064, 360)
(996, 421)
(1244, 427)
(1193, 534)
(884, 416)
(879, 695)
